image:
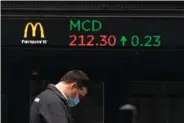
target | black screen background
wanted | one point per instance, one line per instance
(57, 31)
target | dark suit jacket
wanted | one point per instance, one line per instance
(50, 107)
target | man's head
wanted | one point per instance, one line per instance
(76, 84)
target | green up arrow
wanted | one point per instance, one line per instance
(123, 40)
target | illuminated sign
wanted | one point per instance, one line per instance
(34, 28)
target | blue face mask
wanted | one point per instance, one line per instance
(73, 102)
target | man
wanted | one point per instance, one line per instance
(52, 105)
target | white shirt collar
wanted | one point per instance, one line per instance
(61, 92)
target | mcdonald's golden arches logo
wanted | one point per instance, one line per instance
(34, 28)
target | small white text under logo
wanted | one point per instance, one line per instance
(34, 41)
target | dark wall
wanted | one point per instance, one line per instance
(117, 69)
(158, 101)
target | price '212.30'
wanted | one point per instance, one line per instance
(90, 41)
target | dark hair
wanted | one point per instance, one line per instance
(77, 76)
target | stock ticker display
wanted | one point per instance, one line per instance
(91, 32)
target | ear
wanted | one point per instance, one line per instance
(73, 85)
